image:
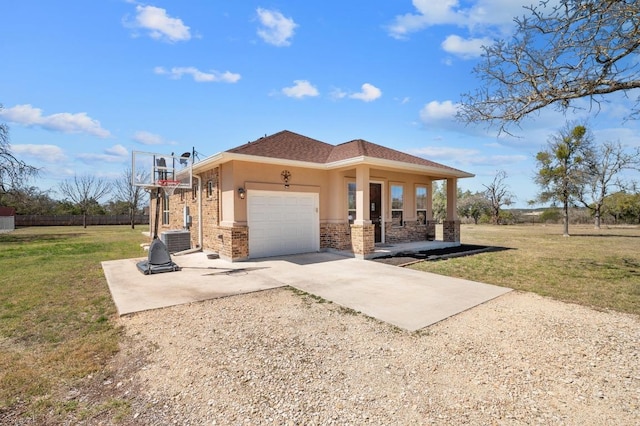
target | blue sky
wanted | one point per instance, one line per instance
(83, 84)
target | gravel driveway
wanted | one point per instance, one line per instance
(278, 357)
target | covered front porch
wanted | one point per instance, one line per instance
(384, 250)
(398, 215)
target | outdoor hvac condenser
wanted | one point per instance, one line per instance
(178, 240)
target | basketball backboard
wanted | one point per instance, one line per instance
(151, 170)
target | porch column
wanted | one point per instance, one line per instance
(429, 221)
(362, 230)
(451, 226)
(363, 214)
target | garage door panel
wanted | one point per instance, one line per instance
(282, 223)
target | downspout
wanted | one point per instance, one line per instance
(199, 211)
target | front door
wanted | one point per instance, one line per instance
(375, 202)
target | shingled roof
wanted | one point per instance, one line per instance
(362, 148)
(288, 145)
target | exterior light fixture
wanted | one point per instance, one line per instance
(286, 176)
(241, 193)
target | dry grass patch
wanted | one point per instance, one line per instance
(55, 311)
(599, 268)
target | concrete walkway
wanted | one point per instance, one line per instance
(403, 297)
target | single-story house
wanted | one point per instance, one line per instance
(287, 193)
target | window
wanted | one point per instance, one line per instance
(397, 205)
(194, 191)
(165, 209)
(351, 201)
(209, 188)
(421, 204)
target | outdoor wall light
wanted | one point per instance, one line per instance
(241, 193)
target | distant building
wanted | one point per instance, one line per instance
(7, 219)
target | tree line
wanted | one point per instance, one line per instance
(82, 196)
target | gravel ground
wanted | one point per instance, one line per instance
(277, 357)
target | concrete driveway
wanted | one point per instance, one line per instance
(403, 297)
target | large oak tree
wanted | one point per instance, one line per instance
(561, 51)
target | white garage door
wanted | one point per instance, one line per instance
(282, 223)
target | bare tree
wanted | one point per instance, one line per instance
(85, 192)
(601, 168)
(498, 194)
(132, 195)
(473, 205)
(13, 171)
(561, 51)
(561, 174)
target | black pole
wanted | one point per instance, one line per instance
(155, 224)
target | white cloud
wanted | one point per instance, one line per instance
(147, 138)
(301, 89)
(446, 152)
(436, 111)
(467, 156)
(65, 122)
(48, 153)
(465, 48)
(337, 93)
(369, 93)
(498, 14)
(118, 150)
(199, 76)
(276, 29)
(160, 25)
(114, 154)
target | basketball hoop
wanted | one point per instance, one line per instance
(168, 186)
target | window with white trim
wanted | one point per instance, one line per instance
(351, 202)
(421, 204)
(165, 209)
(397, 205)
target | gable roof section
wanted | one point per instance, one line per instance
(362, 148)
(286, 146)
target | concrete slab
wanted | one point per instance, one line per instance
(403, 297)
(200, 279)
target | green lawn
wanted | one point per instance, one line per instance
(55, 310)
(598, 268)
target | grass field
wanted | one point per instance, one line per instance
(598, 268)
(57, 318)
(56, 313)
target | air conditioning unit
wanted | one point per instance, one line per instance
(177, 240)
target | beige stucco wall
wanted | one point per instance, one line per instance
(267, 177)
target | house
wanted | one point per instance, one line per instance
(287, 193)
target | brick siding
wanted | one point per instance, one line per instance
(362, 239)
(451, 231)
(335, 236)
